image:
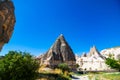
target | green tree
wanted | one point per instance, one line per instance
(63, 66)
(18, 66)
(77, 65)
(114, 64)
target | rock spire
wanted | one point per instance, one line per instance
(60, 52)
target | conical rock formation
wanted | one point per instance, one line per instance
(95, 53)
(7, 21)
(60, 52)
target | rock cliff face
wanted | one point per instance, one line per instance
(7, 21)
(113, 52)
(93, 61)
(60, 52)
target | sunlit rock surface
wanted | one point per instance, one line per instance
(93, 61)
(7, 21)
(111, 52)
(60, 52)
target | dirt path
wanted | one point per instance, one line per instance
(75, 77)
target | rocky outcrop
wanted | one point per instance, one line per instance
(95, 53)
(111, 52)
(60, 52)
(93, 61)
(7, 21)
(84, 55)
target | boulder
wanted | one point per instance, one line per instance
(7, 21)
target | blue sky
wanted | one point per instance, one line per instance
(83, 23)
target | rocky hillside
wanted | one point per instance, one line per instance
(7, 21)
(113, 52)
(93, 61)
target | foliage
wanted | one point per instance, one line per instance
(18, 66)
(63, 66)
(1, 57)
(115, 64)
(77, 65)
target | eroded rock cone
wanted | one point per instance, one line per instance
(7, 21)
(60, 52)
(95, 53)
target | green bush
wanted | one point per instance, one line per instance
(64, 67)
(115, 64)
(18, 66)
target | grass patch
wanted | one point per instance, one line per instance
(104, 76)
(112, 76)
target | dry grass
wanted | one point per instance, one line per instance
(52, 74)
(57, 71)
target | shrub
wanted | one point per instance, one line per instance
(18, 66)
(115, 64)
(63, 66)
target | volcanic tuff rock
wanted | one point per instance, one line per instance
(60, 52)
(84, 55)
(113, 52)
(95, 53)
(7, 21)
(94, 61)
